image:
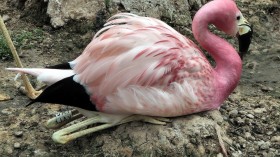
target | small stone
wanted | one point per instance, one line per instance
(237, 153)
(263, 145)
(247, 134)
(275, 139)
(259, 110)
(241, 140)
(7, 149)
(18, 133)
(41, 152)
(17, 145)
(6, 111)
(4, 97)
(250, 116)
(233, 113)
(6, 18)
(243, 112)
(272, 150)
(267, 89)
(269, 133)
(251, 12)
(193, 140)
(265, 50)
(239, 120)
(237, 145)
(201, 150)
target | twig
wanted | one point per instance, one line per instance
(221, 142)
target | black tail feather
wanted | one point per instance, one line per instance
(66, 92)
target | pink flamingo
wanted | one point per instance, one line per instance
(139, 68)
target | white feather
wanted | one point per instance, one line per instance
(48, 76)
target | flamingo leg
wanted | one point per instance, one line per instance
(29, 90)
(63, 118)
(75, 131)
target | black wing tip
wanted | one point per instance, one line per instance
(65, 65)
(66, 92)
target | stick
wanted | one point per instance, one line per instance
(27, 85)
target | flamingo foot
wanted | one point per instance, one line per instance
(62, 119)
(28, 89)
(104, 121)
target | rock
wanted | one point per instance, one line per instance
(250, 116)
(263, 145)
(236, 153)
(65, 10)
(243, 112)
(42, 153)
(247, 135)
(6, 111)
(239, 120)
(17, 145)
(233, 113)
(267, 89)
(265, 50)
(201, 149)
(241, 140)
(18, 133)
(8, 150)
(4, 97)
(269, 132)
(6, 18)
(275, 139)
(62, 11)
(259, 110)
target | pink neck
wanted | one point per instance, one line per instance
(228, 63)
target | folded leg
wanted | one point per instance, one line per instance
(102, 121)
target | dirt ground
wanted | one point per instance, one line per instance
(252, 111)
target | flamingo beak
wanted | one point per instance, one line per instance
(244, 35)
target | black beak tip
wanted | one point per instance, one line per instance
(244, 41)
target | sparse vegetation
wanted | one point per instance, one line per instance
(5, 52)
(22, 40)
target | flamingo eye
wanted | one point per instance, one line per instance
(238, 18)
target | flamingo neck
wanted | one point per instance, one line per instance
(228, 63)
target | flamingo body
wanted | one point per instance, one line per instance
(140, 65)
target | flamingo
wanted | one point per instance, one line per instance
(139, 68)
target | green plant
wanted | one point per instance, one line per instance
(22, 40)
(5, 52)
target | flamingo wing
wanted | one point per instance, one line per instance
(135, 62)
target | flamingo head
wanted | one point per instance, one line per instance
(231, 21)
(225, 16)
